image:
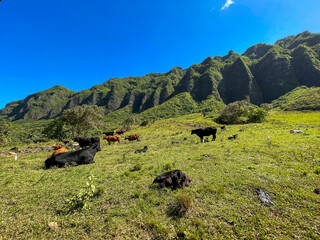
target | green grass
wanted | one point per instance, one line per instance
(221, 201)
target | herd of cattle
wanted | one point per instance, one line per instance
(90, 146)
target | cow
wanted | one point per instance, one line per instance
(58, 149)
(142, 150)
(200, 132)
(83, 156)
(112, 139)
(132, 137)
(233, 137)
(223, 128)
(108, 133)
(173, 179)
(121, 131)
(85, 142)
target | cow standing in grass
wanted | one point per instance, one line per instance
(112, 139)
(85, 142)
(132, 137)
(201, 132)
(108, 133)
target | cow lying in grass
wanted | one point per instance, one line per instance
(233, 137)
(201, 132)
(58, 149)
(85, 142)
(83, 156)
(173, 179)
(112, 139)
(143, 150)
(132, 137)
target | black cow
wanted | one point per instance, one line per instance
(108, 133)
(86, 142)
(83, 156)
(120, 132)
(173, 179)
(200, 132)
(223, 128)
(142, 150)
(39, 141)
(233, 137)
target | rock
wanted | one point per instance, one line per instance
(53, 225)
(264, 196)
(295, 131)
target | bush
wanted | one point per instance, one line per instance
(241, 112)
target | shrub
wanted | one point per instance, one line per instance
(78, 201)
(241, 112)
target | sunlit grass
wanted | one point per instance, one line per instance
(224, 175)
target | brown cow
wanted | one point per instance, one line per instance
(112, 139)
(132, 137)
(58, 149)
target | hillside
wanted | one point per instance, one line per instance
(261, 74)
(221, 202)
(301, 98)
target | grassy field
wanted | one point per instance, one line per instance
(221, 201)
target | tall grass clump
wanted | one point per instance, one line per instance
(180, 206)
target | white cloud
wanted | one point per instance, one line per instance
(227, 4)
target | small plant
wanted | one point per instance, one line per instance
(78, 201)
(180, 206)
(136, 167)
(167, 167)
(317, 171)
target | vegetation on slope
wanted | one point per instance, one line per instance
(301, 98)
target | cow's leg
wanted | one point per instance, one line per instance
(213, 137)
(202, 139)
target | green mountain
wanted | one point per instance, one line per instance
(261, 74)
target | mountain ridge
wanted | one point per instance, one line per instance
(261, 74)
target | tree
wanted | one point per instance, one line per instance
(82, 119)
(5, 130)
(56, 129)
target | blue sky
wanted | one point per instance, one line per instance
(78, 44)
